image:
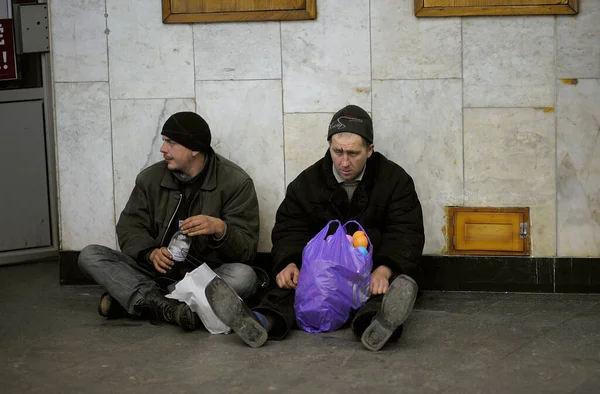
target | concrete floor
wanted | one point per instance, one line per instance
(53, 341)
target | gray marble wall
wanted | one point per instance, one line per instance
(485, 111)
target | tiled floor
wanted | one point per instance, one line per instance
(53, 341)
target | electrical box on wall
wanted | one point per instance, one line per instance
(31, 28)
(489, 231)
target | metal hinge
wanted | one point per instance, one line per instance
(524, 233)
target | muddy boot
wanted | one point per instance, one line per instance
(109, 307)
(172, 311)
(232, 311)
(397, 304)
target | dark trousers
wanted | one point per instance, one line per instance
(129, 282)
(279, 304)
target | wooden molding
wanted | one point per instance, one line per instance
(418, 7)
(437, 8)
(207, 11)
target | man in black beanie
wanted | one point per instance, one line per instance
(209, 198)
(351, 182)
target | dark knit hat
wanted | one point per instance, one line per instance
(352, 119)
(189, 130)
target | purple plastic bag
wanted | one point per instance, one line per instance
(334, 280)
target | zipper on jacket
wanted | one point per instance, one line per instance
(171, 220)
(193, 250)
(189, 212)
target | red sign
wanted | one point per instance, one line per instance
(8, 63)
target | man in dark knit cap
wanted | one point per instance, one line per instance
(211, 199)
(352, 182)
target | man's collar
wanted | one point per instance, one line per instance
(209, 181)
(186, 179)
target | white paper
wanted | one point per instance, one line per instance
(191, 290)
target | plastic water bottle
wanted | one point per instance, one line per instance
(179, 246)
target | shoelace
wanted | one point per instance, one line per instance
(160, 314)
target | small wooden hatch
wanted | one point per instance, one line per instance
(488, 231)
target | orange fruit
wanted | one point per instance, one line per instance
(361, 240)
(358, 234)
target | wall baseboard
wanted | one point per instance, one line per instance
(459, 273)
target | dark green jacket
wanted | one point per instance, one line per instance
(227, 192)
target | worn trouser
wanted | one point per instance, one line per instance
(279, 303)
(128, 281)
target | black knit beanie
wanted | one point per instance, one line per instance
(352, 119)
(189, 130)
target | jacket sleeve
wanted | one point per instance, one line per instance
(133, 227)
(402, 237)
(291, 232)
(240, 213)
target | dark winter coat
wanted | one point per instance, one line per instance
(385, 203)
(226, 192)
